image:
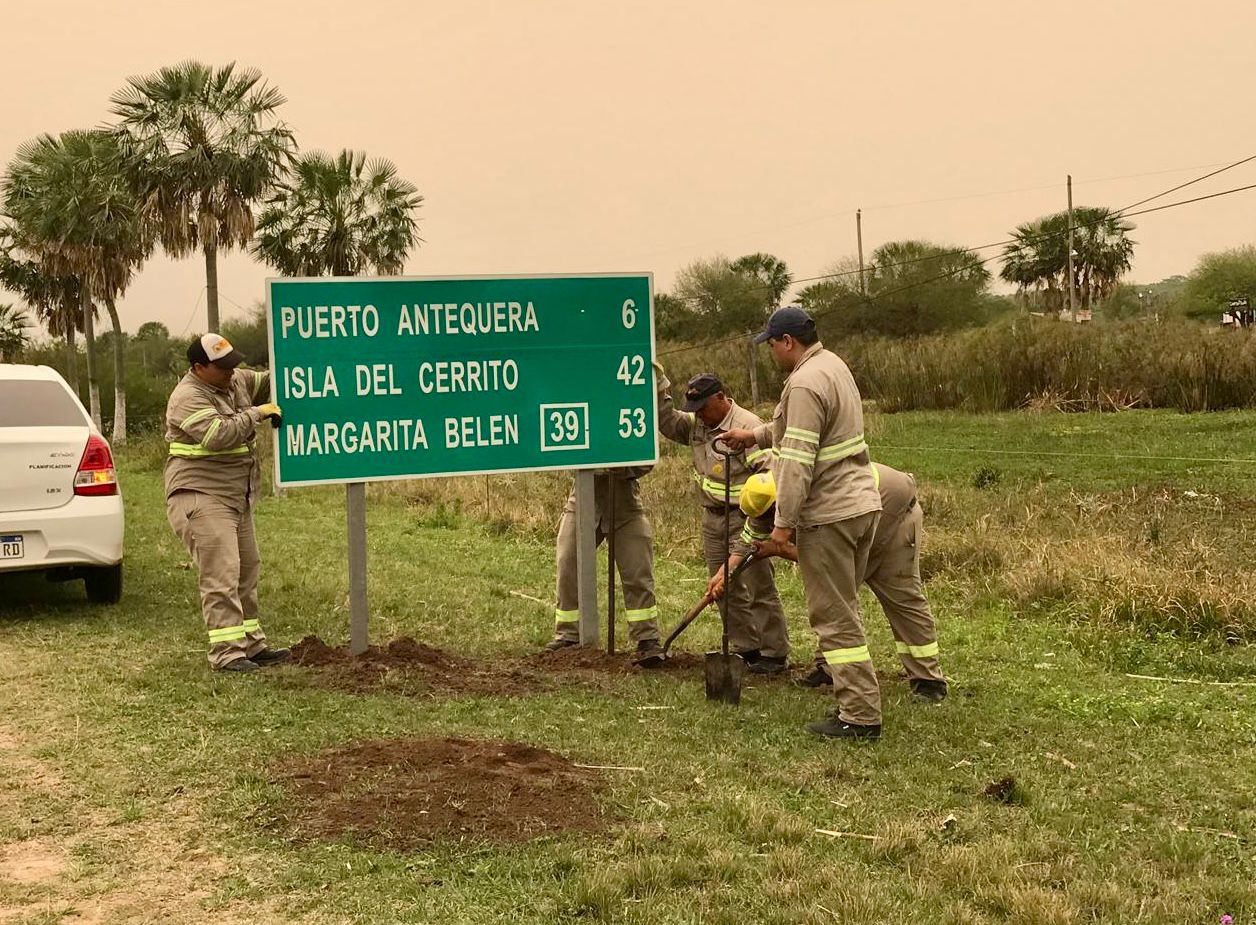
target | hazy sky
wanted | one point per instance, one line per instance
(564, 136)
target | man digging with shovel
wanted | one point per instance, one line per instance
(756, 619)
(893, 573)
(827, 504)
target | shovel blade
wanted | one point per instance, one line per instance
(723, 675)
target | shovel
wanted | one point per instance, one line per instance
(724, 671)
(702, 605)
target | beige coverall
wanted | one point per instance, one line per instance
(212, 482)
(826, 492)
(634, 556)
(756, 619)
(893, 571)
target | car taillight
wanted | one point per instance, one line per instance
(96, 475)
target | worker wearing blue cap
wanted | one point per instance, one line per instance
(827, 504)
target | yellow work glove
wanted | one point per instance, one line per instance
(272, 412)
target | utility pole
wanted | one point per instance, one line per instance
(1072, 308)
(863, 286)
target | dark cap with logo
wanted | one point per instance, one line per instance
(788, 320)
(700, 388)
(216, 349)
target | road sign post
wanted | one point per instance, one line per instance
(403, 377)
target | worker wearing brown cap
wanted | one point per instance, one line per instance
(756, 619)
(212, 483)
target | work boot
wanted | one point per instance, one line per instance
(559, 643)
(649, 654)
(269, 656)
(767, 664)
(240, 664)
(836, 728)
(750, 656)
(928, 689)
(818, 678)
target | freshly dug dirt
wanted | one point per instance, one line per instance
(401, 794)
(410, 667)
(580, 660)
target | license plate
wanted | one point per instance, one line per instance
(12, 546)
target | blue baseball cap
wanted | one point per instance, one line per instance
(788, 320)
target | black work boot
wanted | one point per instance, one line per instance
(767, 664)
(559, 643)
(750, 656)
(836, 728)
(269, 656)
(818, 678)
(928, 689)
(649, 654)
(240, 664)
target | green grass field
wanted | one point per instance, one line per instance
(138, 787)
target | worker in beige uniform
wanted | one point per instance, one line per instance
(893, 573)
(827, 504)
(756, 619)
(212, 482)
(634, 559)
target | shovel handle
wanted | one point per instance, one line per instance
(702, 605)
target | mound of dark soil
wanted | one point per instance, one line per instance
(401, 794)
(412, 667)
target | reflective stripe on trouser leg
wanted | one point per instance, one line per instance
(209, 530)
(831, 557)
(250, 571)
(894, 578)
(634, 559)
(567, 613)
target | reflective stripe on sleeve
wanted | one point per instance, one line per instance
(847, 656)
(928, 650)
(798, 433)
(197, 416)
(638, 616)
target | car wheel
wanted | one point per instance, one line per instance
(104, 585)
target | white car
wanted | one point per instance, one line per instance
(60, 508)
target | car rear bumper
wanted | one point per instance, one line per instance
(84, 531)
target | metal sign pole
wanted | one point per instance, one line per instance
(355, 508)
(586, 556)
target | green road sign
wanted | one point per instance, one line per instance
(403, 377)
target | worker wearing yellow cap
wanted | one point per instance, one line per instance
(893, 572)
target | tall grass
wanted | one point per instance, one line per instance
(1027, 361)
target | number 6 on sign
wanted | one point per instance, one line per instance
(632, 422)
(630, 313)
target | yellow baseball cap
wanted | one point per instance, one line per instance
(758, 494)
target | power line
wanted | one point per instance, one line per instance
(195, 306)
(924, 282)
(1064, 453)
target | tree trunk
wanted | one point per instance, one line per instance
(119, 376)
(754, 374)
(71, 355)
(211, 286)
(89, 336)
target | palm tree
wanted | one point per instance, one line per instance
(775, 278)
(339, 216)
(1037, 259)
(55, 299)
(71, 201)
(207, 149)
(14, 332)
